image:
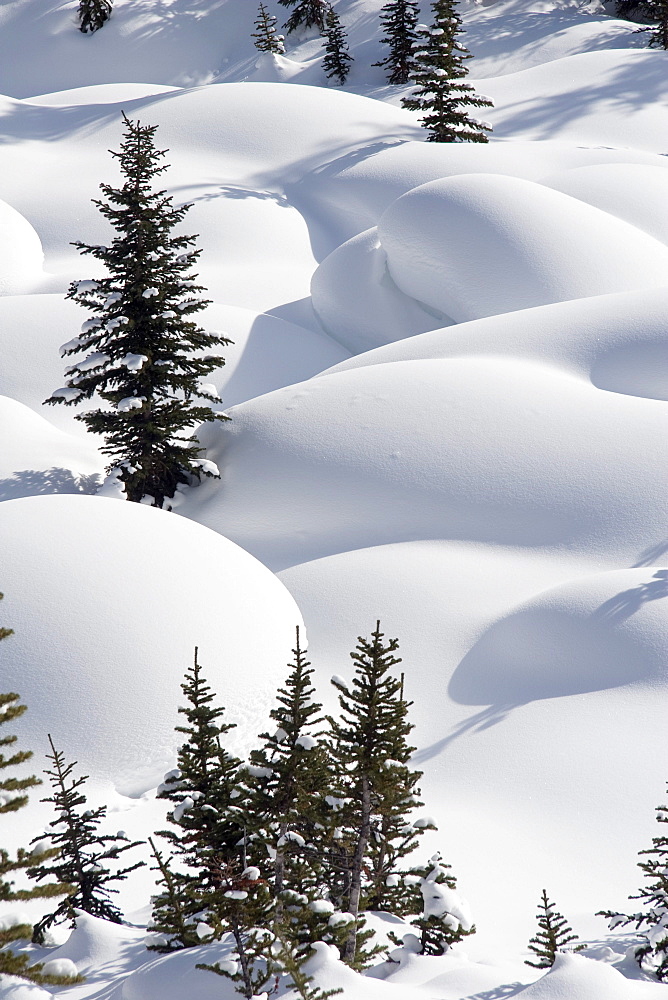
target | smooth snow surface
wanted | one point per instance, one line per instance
(448, 385)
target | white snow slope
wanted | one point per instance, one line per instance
(448, 389)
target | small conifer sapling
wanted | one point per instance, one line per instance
(554, 934)
(439, 75)
(93, 14)
(144, 355)
(337, 59)
(83, 854)
(442, 915)
(265, 36)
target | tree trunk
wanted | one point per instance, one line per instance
(350, 947)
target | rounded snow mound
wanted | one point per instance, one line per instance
(634, 192)
(616, 341)
(482, 449)
(357, 301)
(580, 978)
(21, 255)
(482, 244)
(13, 988)
(120, 594)
(598, 632)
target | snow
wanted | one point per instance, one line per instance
(447, 386)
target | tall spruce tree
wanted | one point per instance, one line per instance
(13, 796)
(373, 788)
(144, 354)
(439, 73)
(553, 935)
(399, 18)
(306, 14)
(652, 922)
(265, 36)
(209, 832)
(93, 14)
(337, 59)
(83, 853)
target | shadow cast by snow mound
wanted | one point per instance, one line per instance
(584, 636)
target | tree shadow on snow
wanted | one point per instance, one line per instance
(477, 723)
(652, 554)
(498, 992)
(625, 604)
(30, 483)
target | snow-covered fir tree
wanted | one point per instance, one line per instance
(373, 789)
(83, 853)
(337, 59)
(439, 75)
(441, 915)
(144, 354)
(13, 796)
(207, 825)
(93, 14)
(554, 935)
(399, 18)
(306, 14)
(265, 36)
(651, 922)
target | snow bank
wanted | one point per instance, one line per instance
(13, 988)
(484, 449)
(38, 458)
(120, 594)
(98, 947)
(21, 254)
(573, 977)
(357, 301)
(617, 342)
(595, 632)
(484, 244)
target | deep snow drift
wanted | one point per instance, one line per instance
(448, 391)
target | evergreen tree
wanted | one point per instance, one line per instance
(209, 830)
(146, 352)
(442, 915)
(337, 60)
(656, 11)
(83, 852)
(266, 38)
(373, 787)
(552, 937)
(13, 796)
(439, 74)
(93, 13)
(169, 927)
(399, 19)
(652, 922)
(306, 14)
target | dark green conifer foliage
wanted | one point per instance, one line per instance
(337, 59)
(553, 935)
(12, 797)
(144, 354)
(652, 922)
(84, 854)
(399, 19)
(291, 966)
(93, 14)
(655, 11)
(208, 823)
(265, 35)
(169, 921)
(439, 73)
(373, 787)
(438, 928)
(306, 14)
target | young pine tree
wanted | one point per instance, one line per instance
(306, 14)
(208, 824)
(443, 918)
(553, 935)
(373, 787)
(399, 19)
(143, 351)
(83, 853)
(652, 922)
(93, 14)
(265, 36)
(337, 59)
(439, 74)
